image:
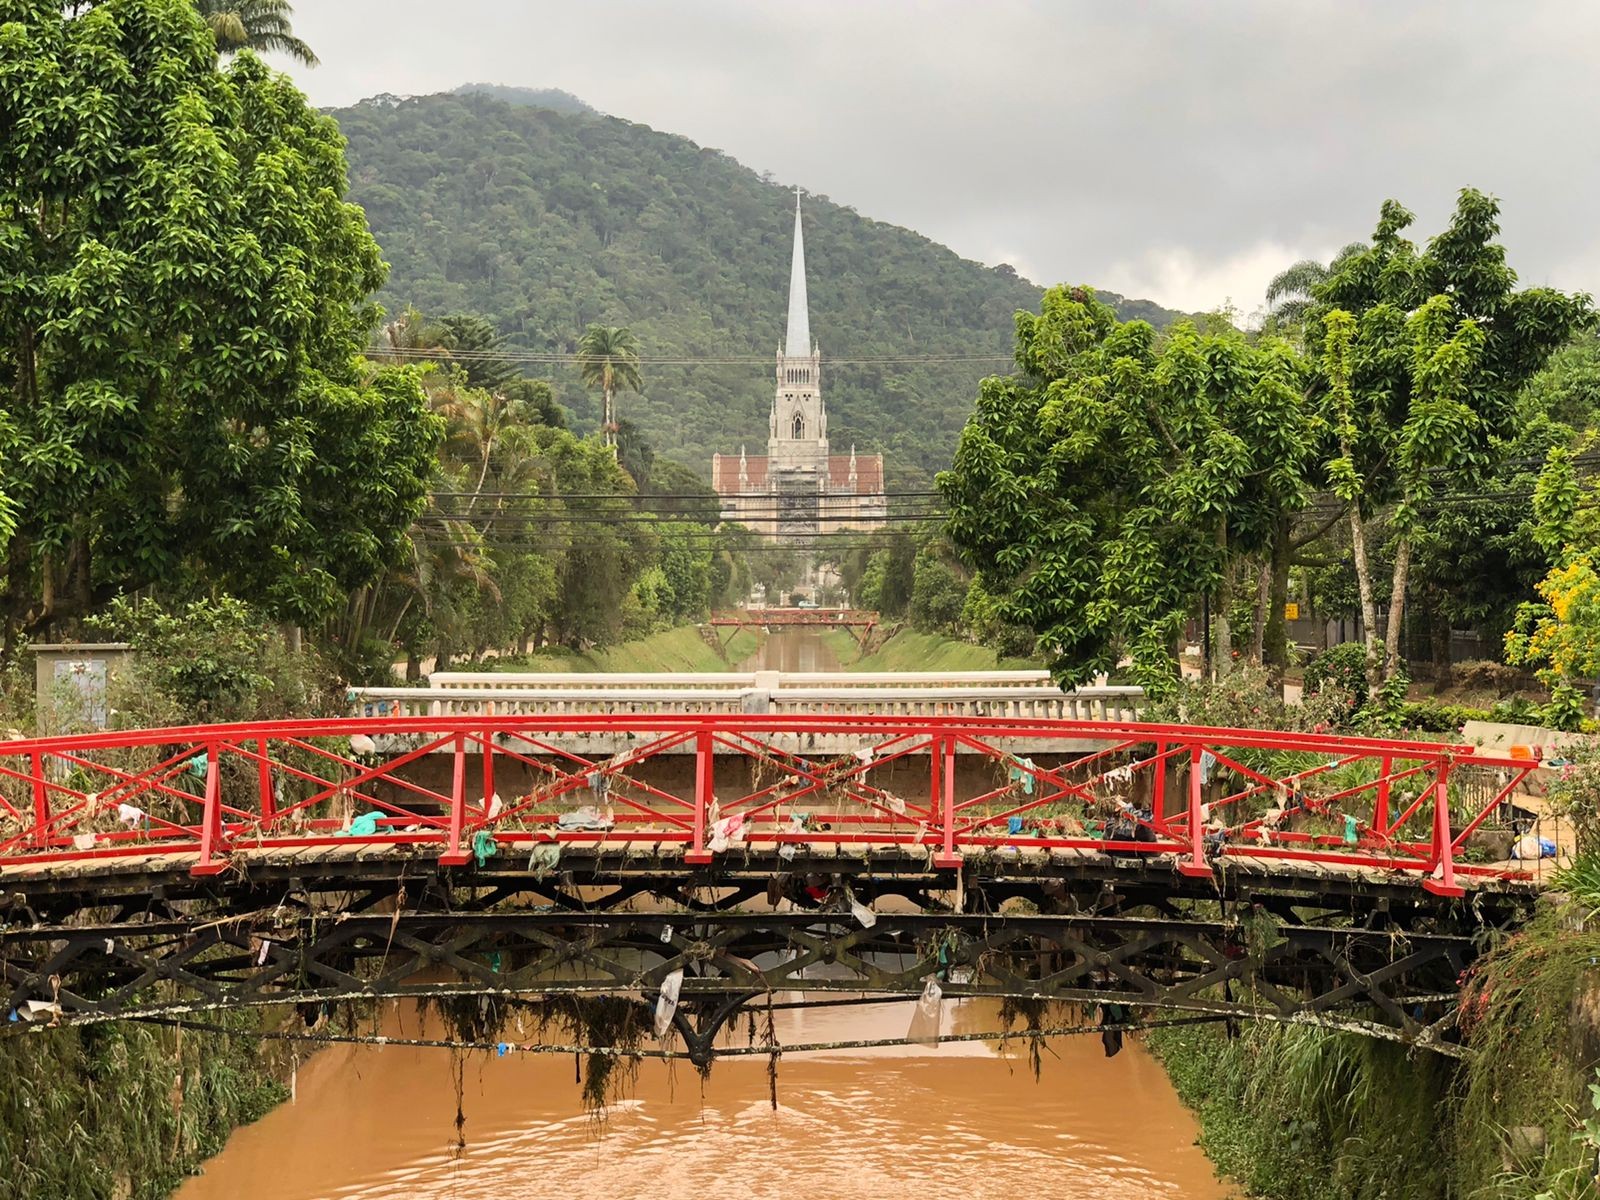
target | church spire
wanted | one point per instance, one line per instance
(798, 342)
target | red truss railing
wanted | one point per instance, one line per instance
(801, 618)
(1203, 796)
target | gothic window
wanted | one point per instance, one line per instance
(799, 427)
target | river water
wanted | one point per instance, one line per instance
(911, 1123)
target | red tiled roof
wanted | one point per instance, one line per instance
(725, 473)
(869, 472)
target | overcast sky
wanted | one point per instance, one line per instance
(1181, 152)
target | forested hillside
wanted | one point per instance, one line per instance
(545, 221)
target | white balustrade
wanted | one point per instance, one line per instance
(974, 694)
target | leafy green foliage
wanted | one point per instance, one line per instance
(183, 306)
(1341, 668)
(209, 660)
(1421, 356)
(547, 222)
(1304, 1114)
(254, 25)
(125, 1110)
(1114, 477)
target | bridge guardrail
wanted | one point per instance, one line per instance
(1197, 797)
(1022, 701)
(697, 680)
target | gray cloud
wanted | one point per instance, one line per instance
(1181, 151)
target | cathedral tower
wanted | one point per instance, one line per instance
(797, 439)
(797, 489)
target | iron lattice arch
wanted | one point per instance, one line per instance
(1368, 959)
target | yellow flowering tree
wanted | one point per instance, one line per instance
(1559, 635)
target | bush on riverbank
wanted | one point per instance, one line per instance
(124, 1111)
(1296, 1113)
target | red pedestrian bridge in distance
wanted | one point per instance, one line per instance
(1232, 872)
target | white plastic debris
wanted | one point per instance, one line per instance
(666, 934)
(361, 745)
(862, 913)
(496, 806)
(926, 1018)
(83, 841)
(726, 832)
(667, 1002)
(895, 804)
(865, 754)
(129, 815)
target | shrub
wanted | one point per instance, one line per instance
(210, 660)
(1342, 669)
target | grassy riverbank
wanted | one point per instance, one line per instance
(124, 1111)
(909, 650)
(1296, 1113)
(681, 649)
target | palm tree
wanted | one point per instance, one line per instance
(1289, 294)
(254, 25)
(608, 358)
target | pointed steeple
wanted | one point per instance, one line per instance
(797, 343)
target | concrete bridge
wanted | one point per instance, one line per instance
(1022, 695)
(1300, 877)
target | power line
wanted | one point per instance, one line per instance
(563, 358)
(633, 497)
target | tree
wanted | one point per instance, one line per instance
(1422, 357)
(1290, 292)
(1114, 477)
(261, 25)
(184, 301)
(608, 359)
(477, 348)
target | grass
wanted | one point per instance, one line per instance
(124, 1110)
(909, 650)
(681, 649)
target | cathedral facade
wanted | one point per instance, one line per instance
(798, 488)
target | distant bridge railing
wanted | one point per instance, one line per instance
(1031, 701)
(610, 681)
(796, 618)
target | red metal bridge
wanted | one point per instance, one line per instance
(1291, 876)
(795, 618)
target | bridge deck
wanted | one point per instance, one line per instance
(600, 858)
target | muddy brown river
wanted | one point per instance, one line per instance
(911, 1123)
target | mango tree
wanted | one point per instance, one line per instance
(1421, 358)
(1114, 477)
(184, 303)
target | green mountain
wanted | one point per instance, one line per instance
(526, 97)
(545, 221)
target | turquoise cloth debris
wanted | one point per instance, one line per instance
(1013, 824)
(1021, 771)
(483, 847)
(199, 764)
(363, 826)
(1352, 834)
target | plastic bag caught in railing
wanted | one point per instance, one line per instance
(667, 1002)
(927, 1016)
